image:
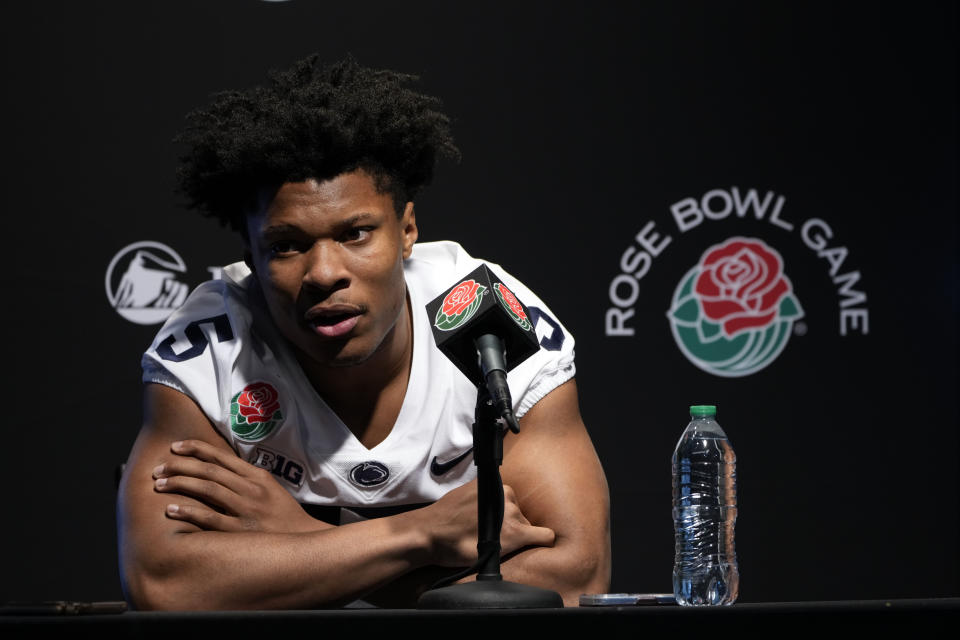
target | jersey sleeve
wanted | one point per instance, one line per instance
(196, 348)
(553, 364)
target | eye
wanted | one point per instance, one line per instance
(357, 234)
(281, 248)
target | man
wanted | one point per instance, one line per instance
(305, 444)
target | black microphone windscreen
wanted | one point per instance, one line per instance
(480, 303)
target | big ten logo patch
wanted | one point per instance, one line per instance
(279, 465)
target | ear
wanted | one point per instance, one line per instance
(408, 229)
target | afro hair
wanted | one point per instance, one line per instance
(311, 121)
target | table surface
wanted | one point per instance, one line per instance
(880, 614)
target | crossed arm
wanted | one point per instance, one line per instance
(199, 528)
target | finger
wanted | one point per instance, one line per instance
(512, 513)
(203, 517)
(211, 493)
(541, 536)
(527, 536)
(195, 468)
(209, 453)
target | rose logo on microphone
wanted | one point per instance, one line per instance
(512, 305)
(733, 313)
(459, 305)
(464, 314)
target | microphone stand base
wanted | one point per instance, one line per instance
(490, 594)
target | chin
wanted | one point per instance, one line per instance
(338, 356)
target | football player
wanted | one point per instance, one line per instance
(304, 443)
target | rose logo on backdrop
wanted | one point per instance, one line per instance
(255, 412)
(459, 305)
(733, 313)
(142, 283)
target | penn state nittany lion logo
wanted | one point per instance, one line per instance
(369, 474)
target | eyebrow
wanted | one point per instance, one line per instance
(278, 228)
(284, 228)
(354, 219)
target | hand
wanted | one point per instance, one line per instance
(234, 495)
(452, 522)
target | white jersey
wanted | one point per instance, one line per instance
(226, 354)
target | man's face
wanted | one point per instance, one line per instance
(329, 259)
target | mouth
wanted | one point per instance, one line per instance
(334, 321)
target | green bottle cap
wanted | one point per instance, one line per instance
(703, 410)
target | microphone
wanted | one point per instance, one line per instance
(481, 326)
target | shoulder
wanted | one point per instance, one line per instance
(434, 267)
(223, 303)
(202, 339)
(433, 264)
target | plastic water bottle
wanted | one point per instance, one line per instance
(704, 513)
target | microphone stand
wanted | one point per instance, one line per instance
(490, 590)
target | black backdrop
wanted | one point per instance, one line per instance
(580, 123)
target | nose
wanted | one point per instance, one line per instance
(326, 267)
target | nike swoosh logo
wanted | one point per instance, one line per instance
(438, 468)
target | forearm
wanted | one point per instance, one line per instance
(199, 528)
(545, 567)
(405, 591)
(253, 570)
(560, 484)
(561, 568)
(566, 568)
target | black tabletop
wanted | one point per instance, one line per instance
(912, 614)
